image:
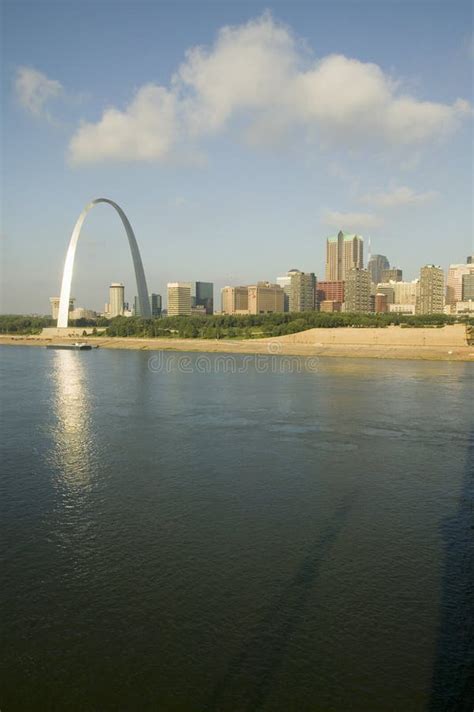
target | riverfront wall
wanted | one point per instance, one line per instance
(452, 335)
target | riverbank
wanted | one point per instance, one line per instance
(446, 344)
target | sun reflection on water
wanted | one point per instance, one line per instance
(73, 434)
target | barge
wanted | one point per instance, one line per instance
(71, 347)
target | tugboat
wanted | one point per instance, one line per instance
(71, 347)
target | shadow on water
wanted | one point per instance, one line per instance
(251, 673)
(453, 673)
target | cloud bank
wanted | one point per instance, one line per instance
(34, 90)
(351, 221)
(261, 80)
(146, 131)
(399, 197)
(392, 199)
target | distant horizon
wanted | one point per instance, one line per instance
(217, 291)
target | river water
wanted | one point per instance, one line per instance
(186, 532)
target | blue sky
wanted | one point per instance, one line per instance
(235, 135)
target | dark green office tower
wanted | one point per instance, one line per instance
(205, 296)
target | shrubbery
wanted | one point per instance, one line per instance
(17, 324)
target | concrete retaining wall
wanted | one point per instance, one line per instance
(453, 335)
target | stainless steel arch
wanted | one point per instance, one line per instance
(143, 297)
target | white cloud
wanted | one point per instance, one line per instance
(34, 90)
(260, 79)
(399, 197)
(145, 131)
(411, 121)
(248, 68)
(351, 222)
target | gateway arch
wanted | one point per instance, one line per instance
(143, 298)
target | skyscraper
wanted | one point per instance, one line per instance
(156, 304)
(330, 291)
(399, 292)
(265, 298)
(235, 300)
(285, 284)
(205, 296)
(393, 274)
(387, 288)
(380, 305)
(302, 291)
(179, 298)
(357, 291)
(431, 291)
(116, 299)
(406, 292)
(454, 281)
(343, 253)
(468, 287)
(376, 265)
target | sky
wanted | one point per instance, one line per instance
(236, 136)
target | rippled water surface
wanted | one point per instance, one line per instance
(189, 539)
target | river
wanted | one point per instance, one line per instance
(193, 532)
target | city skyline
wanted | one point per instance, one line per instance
(370, 287)
(274, 189)
(344, 255)
(450, 293)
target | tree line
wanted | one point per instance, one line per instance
(24, 325)
(250, 326)
(220, 326)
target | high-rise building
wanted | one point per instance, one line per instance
(454, 281)
(470, 259)
(387, 288)
(136, 307)
(399, 292)
(468, 287)
(376, 265)
(381, 305)
(156, 304)
(116, 299)
(179, 298)
(235, 300)
(285, 284)
(343, 253)
(393, 274)
(357, 291)
(265, 298)
(205, 296)
(302, 291)
(465, 308)
(406, 292)
(81, 313)
(54, 302)
(431, 291)
(330, 292)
